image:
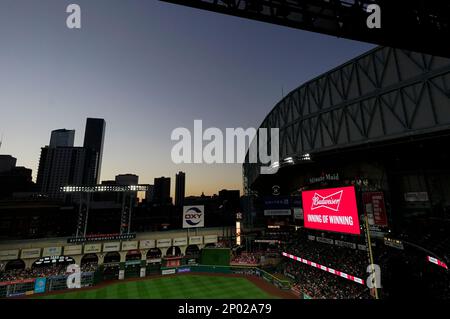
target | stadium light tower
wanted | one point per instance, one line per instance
(83, 214)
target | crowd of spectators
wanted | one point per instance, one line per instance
(404, 271)
(429, 233)
(37, 272)
(351, 261)
(246, 259)
(319, 284)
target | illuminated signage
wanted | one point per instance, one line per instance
(102, 237)
(437, 262)
(325, 268)
(331, 209)
(193, 216)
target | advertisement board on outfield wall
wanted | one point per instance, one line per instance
(209, 239)
(168, 271)
(9, 254)
(39, 285)
(109, 247)
(129, 245)
(164, 243)
(52, 251)
(92, 248)
(331, 209)
(195, 240)
(184, 269)
(30, 253)
(182, 241)
(73, 250)
(147, 243)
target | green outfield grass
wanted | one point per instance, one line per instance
(174, 287)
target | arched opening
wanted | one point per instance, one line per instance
(111, 257)
(154, 253)
(111, 264)
(192, 254)
(153, 261)
(173, 251)
(51, 266)
(192, 251)
(133, 264)
(133, 255)
(12, 270)
(173, 257)
(16, 264)
(89, 263)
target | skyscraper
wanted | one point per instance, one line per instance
(62, 137)
(94, 136)
(62, 166)
(149, 194)
(180, 182)
(161, 194)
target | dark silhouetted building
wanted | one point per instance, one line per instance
(68, 165)
(62, 138)
(16, 180)
(7, 162)
(231, 199)
(94, 136)
(161, 192)
(150, 194)
(63, 166)
(127, 179)
(180, 184)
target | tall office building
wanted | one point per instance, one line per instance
(94, 136)
(62, 166)
(149, 194)
(161, 190)
(180, 184)
(62, 138)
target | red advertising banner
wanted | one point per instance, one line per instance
(374, 206)
(331, 209)
(437, 262)
(16, 282)
(325, 268)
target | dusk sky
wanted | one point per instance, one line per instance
(147, 67)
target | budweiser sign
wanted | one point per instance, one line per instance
(331, 209)
(330, 202)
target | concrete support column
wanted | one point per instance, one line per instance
(144, 254)
(28, 263)
(123, 256)
(77, 259)
(101, 258)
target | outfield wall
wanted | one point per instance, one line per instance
(31, 250)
